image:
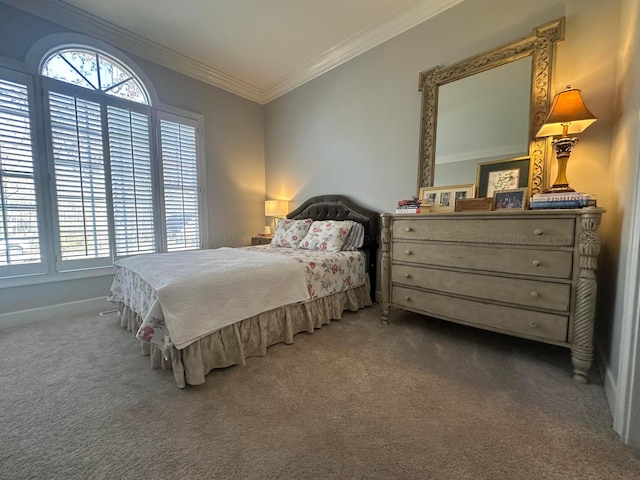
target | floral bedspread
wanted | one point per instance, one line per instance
(326, 274)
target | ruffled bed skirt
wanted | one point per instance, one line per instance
(248, 338)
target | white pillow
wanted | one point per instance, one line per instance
(289, 233)
(355, 238)
(326, 235)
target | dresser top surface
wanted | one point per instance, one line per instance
(511, 213)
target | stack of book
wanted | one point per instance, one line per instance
(411, 206)
(562, 200)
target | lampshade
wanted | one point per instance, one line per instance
(276, 208)
(568, 115)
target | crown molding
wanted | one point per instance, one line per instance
(418, 12)
(71, 17)
(57, 11)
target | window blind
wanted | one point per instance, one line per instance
(120, 183)
(76, 135)
(131, 181)
(19, 236)
(180, 177)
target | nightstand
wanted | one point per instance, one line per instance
(260, 240)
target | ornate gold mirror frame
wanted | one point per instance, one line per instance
(540, 45)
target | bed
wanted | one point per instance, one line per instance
(218, 307)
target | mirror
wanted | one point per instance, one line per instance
(476, 125)
(488, 107)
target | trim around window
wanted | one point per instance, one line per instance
(52, 277)
(51, 268)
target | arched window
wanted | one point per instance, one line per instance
(91, 136)
(126, 176)
(95, 70)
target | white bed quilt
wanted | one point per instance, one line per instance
(202, 291)
(323, 274)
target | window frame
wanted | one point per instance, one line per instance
(50, 268)
(60, 49)
(63, 88)
(197, 121)
(153, 153)
(36, 268)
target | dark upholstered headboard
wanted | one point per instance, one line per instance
(339, 207)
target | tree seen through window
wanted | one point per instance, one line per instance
(95, 71)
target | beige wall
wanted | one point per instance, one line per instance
(354, 130)
(623, 250)
(623, 162)
(234, 142)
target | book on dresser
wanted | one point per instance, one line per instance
(526, 273)
(562, 200)
(413, 205)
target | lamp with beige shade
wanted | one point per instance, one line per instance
(275, 209)
(568, 116)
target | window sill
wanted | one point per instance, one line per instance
(39, 278)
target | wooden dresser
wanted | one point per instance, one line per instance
(528, 273)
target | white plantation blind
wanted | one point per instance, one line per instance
(19, 233)
(131, 181)
(76, 135)
(125, 177)
(180, 177)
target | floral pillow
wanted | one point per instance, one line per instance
(289, 233)
(326, 235)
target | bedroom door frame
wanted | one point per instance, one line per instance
(626, 419)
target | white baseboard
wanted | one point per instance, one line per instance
(35, 315)
(610, 384)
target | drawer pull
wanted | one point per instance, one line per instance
(538, 231)
(533, 325)
(407, 275)
(407, 298)
(535, 294)
(407, 252)
(536, 263)
(408, 229)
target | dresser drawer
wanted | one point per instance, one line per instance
(519, 231)
(524, 261)
(531, 293)
(510, 320)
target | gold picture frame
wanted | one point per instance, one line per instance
(443, 199)
(507, 174)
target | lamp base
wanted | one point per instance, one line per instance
(563, 148)
(559, 188)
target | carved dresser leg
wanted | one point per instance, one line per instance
(583, 323)
(385, 282)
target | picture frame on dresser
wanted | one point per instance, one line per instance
(507, 174)
(510, 199)
(443, 199)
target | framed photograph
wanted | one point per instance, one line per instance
(443, 199)
(516, 198)
(503, 175)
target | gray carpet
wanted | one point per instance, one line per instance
(419, 399)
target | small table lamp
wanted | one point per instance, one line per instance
(276, 209)
(568, 116)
